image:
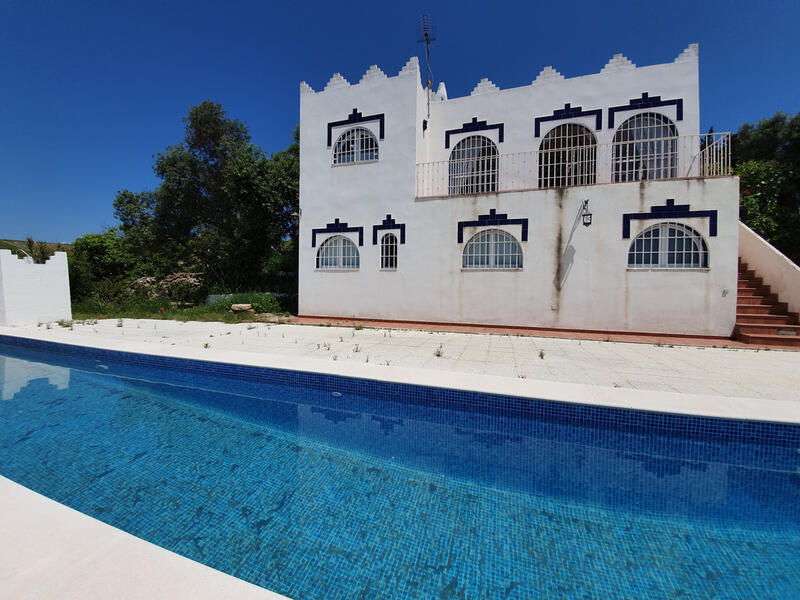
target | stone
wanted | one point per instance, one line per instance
(182, 287)
(242, 308)
(144, 287)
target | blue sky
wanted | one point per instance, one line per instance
(90, 91)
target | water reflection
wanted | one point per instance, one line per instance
(643, 472)
(16, 374)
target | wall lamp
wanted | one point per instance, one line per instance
(587, 216)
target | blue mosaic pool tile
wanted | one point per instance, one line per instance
(398, 491)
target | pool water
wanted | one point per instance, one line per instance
(321, 489)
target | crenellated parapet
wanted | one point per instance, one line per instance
(372, 74)
(618, 62)
(691, 54)
(484, 87)
(548, 75)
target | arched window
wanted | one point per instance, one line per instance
(389, 251)
(337, 253)
(646, 147)
(668, 246)
(568, 156)
(492, 249)
(354, 146)
(473, 166)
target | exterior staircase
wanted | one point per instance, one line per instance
(760, 317)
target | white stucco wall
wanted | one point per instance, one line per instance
(778, 272)
(573, 277)
(31, 293)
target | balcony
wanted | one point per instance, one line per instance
(481, 170)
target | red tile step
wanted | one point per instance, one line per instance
(781, 329)
(769, 340)
(761, 318)
(745, 318)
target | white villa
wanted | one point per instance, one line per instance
(588, 203)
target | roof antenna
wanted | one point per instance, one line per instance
(427, 34)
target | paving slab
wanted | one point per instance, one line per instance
(49, 550)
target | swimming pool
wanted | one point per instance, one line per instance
(319, 486)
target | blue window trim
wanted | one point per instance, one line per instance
(570, 112)
(352, 119)
(646, 101)
(493, 219)
(388, 223)
(337, 227)
(473, 126)
(669, 211)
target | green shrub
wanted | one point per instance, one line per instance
(262, 303)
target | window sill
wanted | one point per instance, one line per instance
(355, 162)
(336, 270)
(670, 269)
(467, 270)
(392, 270)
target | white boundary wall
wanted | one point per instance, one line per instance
(780, 273)
(31, 293)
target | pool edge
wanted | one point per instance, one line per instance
(699, 405)
(51, 550)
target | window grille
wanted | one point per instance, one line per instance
(668, 246)
(473, 166)
(389, 251)
(337, 252)
(568, 156)
(646, 147)
(492, 249)
(354, 146)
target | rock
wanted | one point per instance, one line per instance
(145, 287)
(242, 308)
(182, 287)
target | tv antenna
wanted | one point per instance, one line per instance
(427, 34)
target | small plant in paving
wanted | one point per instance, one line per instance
(358, 327)
(438, 352)
(119, 322)
(356, 348)
(541, 354)
(206, 345)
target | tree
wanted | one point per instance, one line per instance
(98, 266)
(38, 251)
(767, 158)
(223, 206)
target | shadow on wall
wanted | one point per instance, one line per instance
(567, 258)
